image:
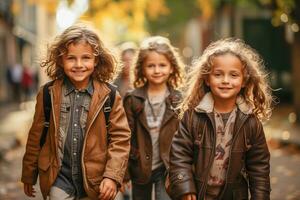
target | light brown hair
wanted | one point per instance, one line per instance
(105, 68)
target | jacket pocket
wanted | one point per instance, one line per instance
(44, 160)
(44, 166)
(83, 117)
(64, 117)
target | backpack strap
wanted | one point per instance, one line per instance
(47, 109)
(108, 104)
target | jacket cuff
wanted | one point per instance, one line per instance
(181, 187)
(30, 179)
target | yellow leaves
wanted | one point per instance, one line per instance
(49, 5)
(15, 8)
(207, 8)
(156, 8)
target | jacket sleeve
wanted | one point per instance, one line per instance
(130, 119)
(181, 161)
(119, 145)
(258, 163)
(30, 159)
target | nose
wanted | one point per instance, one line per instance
(225, 79)
(78, 63)
(156, 69)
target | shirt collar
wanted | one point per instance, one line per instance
(70, 87)
(207, 104)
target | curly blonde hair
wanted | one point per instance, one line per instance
(162, 46)
(105, 68)
(257, 92)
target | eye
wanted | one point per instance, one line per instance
(217, 74)
(150, 65)
(87, 57)
(235, 75)
(70, 58)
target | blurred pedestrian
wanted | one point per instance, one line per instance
(82, 157)
(152, 116)
(220, 150)
(14, 78)
(27, 82)
(122, 82)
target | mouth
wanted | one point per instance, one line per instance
(78, 72)
(225, 88)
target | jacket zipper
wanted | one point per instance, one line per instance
(203, 189)
(229, 164)
(84, 143)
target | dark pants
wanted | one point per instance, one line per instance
(144, 192)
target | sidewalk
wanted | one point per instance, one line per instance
(15, 121)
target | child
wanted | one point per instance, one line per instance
(128, 50)
(220, 150)
(81, 157)
(152, 117)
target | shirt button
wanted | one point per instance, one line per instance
(147, 157)
(74, 153)
(180, 176)
(77, 110)
(75, 139)
(75, 125)
(78, 95)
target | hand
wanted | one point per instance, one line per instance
(188, 197)
(29, 190)
(108, 189)
(124, 186)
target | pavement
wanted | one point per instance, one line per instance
(15, 121)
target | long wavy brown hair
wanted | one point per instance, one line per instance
(162, 46)
(257, 92)
(105, 68)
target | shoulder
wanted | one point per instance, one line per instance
(176, 94)
(136, 93)
(253, 121)
(111, 86)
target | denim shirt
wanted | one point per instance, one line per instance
(73, 116)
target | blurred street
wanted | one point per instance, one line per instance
(15, 121)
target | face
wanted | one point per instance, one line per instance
(226, 78)
(157, 68)
(79, 63)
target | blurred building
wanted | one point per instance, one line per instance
(7, 45)
(25, 26)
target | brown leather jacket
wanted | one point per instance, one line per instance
(99, 159)
(140, 158)
(192, 154)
